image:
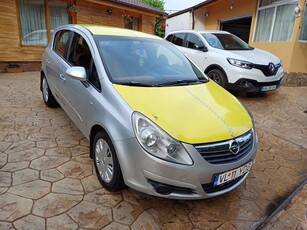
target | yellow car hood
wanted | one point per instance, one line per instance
(193, 114)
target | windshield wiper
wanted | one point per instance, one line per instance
(135, 83)
(183, 82)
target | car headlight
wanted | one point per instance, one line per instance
(240, 63)
(157, 142)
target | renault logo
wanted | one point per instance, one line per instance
(234, 147)
(272, 67)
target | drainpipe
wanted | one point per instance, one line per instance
(193, 21)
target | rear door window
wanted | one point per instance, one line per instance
(193, 41)
(178, 39)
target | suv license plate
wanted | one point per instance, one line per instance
(267, 88)
(232, 174)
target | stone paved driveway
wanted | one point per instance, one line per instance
(47, 180)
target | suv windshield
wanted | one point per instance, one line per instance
(226, 41)
(146, 62)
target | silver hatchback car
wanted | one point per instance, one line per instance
(155, 122)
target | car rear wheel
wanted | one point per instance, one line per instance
(219, 77)
(106, 163)
(47, 95)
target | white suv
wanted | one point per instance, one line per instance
(229, 61)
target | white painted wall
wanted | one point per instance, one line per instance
(179, 22)
(184, 21)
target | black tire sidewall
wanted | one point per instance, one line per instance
(116, 183)
(224, 81)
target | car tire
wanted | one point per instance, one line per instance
(219, 77)
(47, 94)
(106, 163)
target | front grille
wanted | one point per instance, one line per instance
(209, 188)
(223, 152)
(265, 69)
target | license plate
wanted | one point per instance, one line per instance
(267, 88)
(232, 174)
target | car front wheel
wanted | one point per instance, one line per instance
(106, 163)
(47, 95)
(219, 77)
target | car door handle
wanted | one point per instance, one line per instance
(48, 61)
(62, 77)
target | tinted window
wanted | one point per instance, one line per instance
(178, 39)
(226, 41)
(169, 37)
(192, 41)
(61, 42)
(79, 53)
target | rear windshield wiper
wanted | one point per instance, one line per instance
(183, 82)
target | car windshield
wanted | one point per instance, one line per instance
(146, 62)
(225, 41)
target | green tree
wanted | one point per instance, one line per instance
(159, 4)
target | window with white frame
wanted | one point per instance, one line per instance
(34, 20)
(275, 20)
(303, 34)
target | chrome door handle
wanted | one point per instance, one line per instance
(62, 77)
(48, 61)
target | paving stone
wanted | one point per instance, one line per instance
(244, 210)
(3, 159)
(48, 162)
(20, 146)
(58, 151)
(226, 226)
(90, 184)
(89, 215)
(34, 189)
(68, 186)
(146, 221)
(5, 179)
(41, 136)
(63, 222)
(51, 175)
(30, 222)
(116, 226)
(103, 197)
(13, 167)
(75, 170)
(4, 145)
(66, 142)
(24, 176)
(48, 144)
(126, 213)
(84, 159)
(54, 204)
(13, 207)
(3, 190)
(15, 136)
(27, 155)
(6, 226)
(80, 150)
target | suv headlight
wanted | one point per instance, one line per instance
(240, 63)
(157, 142)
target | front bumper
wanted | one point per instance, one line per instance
(251, 86)
(150, 175)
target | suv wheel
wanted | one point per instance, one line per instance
(219, 77)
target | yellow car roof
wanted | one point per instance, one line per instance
(114, 31)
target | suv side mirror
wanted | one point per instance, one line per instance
(201, 47)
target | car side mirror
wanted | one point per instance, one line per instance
(76, 72)
(201, 47)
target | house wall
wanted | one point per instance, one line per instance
(10, 45)
(180, 22)
(293, 54)
(11, 49)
